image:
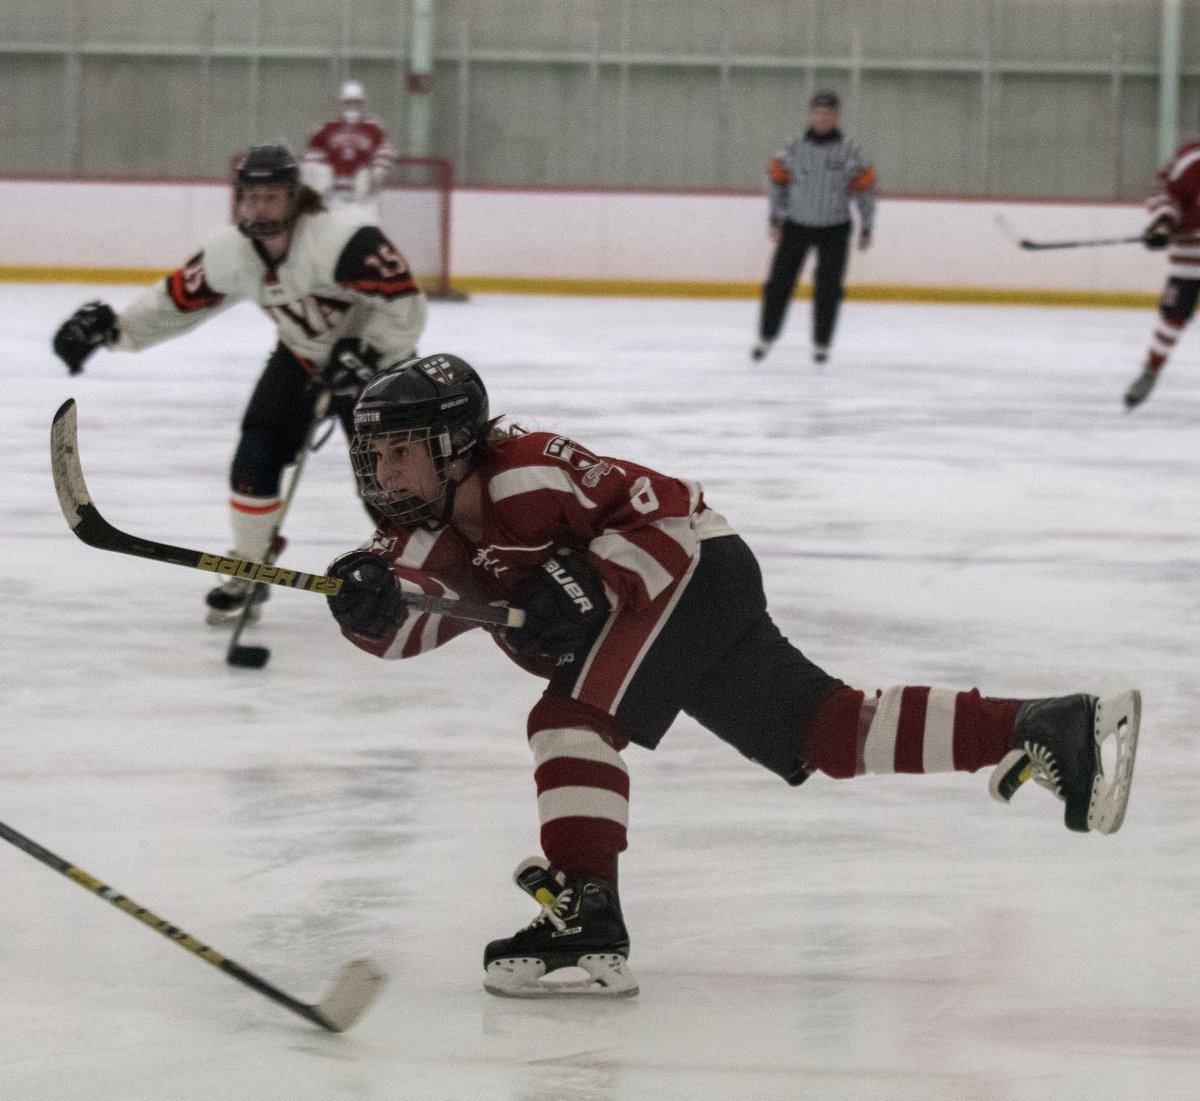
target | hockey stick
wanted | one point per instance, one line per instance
(255, 657)
(86, 522)
(353, 991)
(1025, 243)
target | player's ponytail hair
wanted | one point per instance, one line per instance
(309, 201)
(497, 431)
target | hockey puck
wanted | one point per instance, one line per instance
(248, 657)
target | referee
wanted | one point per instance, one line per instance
(812, 182)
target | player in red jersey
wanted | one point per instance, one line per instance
(1175, 225)
(349, 159)
(641, 602)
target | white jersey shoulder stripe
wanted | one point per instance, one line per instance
(616, 548)
(1183, 164)
(531, 479)
(420, 543)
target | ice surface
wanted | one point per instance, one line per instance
(958, 498)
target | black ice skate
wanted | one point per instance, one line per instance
(576, 945)
(1058, 743)
(226, 601)
(1139, 389)
(760, 350)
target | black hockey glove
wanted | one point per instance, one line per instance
(83, 332)
(564, 606)
(352, 364)
(1158, 234)
(371, 603)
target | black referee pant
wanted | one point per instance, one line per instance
(832, 245)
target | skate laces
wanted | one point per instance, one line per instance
(553, 912)
(1044, 768)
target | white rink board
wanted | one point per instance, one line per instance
(704, 238)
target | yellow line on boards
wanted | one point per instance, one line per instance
(649, 288)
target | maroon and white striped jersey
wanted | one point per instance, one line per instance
(541, 492)
(1178, 198)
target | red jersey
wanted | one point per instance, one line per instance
(349, 147)
(1178, 198)
(641, 531)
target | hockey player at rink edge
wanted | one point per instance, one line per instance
(350, 158)
(1175, 226)
(341, 297)
(642, 602)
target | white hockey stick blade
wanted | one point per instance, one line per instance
(1119, 718)
(354, 990)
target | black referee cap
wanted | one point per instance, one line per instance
(825, 99)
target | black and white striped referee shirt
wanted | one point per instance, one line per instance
(815, 178)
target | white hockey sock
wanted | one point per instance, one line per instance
(254, 519)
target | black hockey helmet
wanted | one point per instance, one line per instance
(270, 166)
(437, 400)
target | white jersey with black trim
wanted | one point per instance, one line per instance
(340, 277)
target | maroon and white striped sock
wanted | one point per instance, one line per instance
(909, 729)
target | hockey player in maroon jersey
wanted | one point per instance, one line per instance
(341, 297)
(350, 158)
(640, 602)
(1175, 225)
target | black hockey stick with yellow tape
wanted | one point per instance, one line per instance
(353, 991)
(87, 523)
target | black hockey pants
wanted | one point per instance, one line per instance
(275, 423)
(832, 245)
(721, 659)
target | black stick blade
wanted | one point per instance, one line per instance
(247, 657)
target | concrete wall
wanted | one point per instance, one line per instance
(611, 242)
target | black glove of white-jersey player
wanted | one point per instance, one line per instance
(93, 324)
(353, 362)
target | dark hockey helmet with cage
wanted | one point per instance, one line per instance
(437, 400)
(267, 166)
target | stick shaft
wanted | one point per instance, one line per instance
(1093, 243)
(86, 522)
(160, 925)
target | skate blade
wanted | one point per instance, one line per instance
(604, 975)
(215, 618)
(1119, 718)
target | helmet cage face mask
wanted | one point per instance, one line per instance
(267, 166)
(436, 401)
(405, 511)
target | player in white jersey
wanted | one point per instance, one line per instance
(342, 299)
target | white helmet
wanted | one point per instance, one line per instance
(352, 91)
